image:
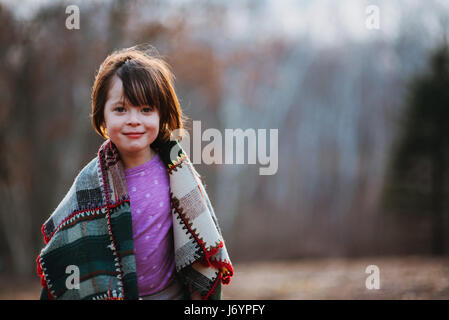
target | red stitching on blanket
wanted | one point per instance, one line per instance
(212, 290)
(224, 266)
(109, 220)
(207, 252)
(47, 239)
(40, 273)
(174, 166)
(226, 271)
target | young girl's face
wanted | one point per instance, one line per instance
(122, 119)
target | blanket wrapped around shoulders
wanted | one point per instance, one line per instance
(91, 231)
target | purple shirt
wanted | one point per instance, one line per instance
(149, 191)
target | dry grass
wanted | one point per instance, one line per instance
(400, 278)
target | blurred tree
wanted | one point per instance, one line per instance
(46, 72)
(419, 167)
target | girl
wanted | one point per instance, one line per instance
(137, 222)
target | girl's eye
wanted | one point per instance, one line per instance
(147, 109)
(120, 109)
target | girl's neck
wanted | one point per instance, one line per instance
(134, 160)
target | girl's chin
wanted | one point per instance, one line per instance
(136, 150)
(135, 144)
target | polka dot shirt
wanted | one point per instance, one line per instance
(149, 191)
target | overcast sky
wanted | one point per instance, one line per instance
(324, 21)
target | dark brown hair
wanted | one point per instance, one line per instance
(147, 80)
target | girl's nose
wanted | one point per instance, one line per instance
(133, 116)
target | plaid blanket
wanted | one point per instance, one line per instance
(90, 231)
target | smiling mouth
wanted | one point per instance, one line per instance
(134, 135)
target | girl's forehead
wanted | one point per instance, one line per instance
(115, 93)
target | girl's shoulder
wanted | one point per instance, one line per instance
(89, 175)
(84, 193)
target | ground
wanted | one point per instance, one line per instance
(400, 278)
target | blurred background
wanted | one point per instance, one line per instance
(361, 107)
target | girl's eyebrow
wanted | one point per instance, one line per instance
(119, 102)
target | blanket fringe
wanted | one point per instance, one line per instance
(226, 270)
